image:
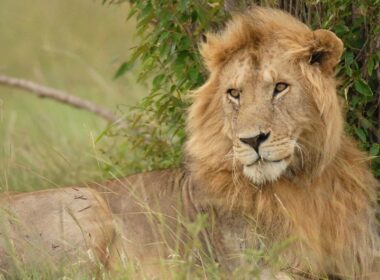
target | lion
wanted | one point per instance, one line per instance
(266, 160)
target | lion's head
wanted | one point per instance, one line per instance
(266, 137)
(269, 108)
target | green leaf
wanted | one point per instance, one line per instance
(131, 13)
(361, 134)
(363, 88)
(349, 57)
(183, 4)
(370, 66)
(193, 73)
(355, 101)
(146, 12)
(122, 69)
(163, 37)
(341, 29)
(158, 80)
(365, 123)
(348, 70)
(165, 16)
(375, 150)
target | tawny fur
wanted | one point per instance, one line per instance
(329, 204)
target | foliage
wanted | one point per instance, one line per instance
(168, 54)
(170, 31)
(358, 27)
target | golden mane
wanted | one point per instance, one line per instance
(330, 204)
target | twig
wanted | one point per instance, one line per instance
(60, 96)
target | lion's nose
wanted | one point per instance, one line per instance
(255, 141)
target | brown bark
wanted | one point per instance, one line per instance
(60, 96)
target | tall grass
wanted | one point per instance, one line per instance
(72, 45)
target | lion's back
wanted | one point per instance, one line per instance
(151, 213)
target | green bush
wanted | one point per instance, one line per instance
(168, 56)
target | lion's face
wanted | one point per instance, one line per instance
(264, 112)
(270, 101)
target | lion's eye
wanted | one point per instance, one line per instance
(233, 93)
(280, 87)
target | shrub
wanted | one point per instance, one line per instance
(168, 57)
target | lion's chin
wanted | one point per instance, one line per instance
(261, 173)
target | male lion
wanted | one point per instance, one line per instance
(267, 161)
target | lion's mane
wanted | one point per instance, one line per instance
(330, 204)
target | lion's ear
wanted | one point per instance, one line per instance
(326, 51)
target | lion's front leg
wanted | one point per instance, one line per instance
(71, 226)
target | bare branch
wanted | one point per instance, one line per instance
(58, 95)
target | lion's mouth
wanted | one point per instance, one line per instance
(261, 159)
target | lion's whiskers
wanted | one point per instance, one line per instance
(229, 155)
(236, 182)
(299, 147)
